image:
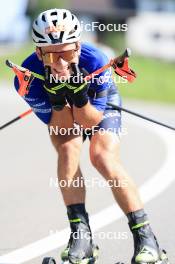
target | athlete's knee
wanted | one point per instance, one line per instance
(107, 163)
(104, 150)
(66, 145)
(68, 150)
(110, 168)
(99, 158)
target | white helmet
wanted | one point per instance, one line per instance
(55, 27)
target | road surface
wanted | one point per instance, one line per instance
(33, 220)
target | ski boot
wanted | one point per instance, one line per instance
(146, 247)
(80, 248)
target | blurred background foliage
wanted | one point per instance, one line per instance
(155, 81)
(36, 7)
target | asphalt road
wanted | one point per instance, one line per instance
(31, 206)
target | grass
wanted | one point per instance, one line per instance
(17, 56)
(155, 81)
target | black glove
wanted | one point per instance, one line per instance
(77, 87)
(55, 90)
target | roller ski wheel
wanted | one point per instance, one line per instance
(49, 260)
(163, 260)
(91, 260)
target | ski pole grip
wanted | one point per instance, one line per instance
(9, 64)
(120, 60)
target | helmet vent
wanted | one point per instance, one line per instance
(54, 13)
(43, 18)
(61, 35)
(72, 31)
(64, 15)
(42, 41)
(54, 22)
(37, 34)
(54, 41)
(51, 37)
(71, 37)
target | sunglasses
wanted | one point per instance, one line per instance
(53, 57)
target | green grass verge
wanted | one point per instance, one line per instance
(17, 56)
(155, 81)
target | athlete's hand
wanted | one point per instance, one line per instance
(77, 87)
(55, 90)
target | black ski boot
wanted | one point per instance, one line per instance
(146, 247)
(80, 248)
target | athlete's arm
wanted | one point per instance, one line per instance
(87, 116)
(87, 113)
(62, 119)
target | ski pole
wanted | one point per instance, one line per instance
(17, 118)
(140, 116)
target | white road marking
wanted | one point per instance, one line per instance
(149, 190)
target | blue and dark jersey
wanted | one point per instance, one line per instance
(91, 59)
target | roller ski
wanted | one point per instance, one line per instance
(162, 259)
(79, 257)
(80, 248)
(91, 258)
(76, 253)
